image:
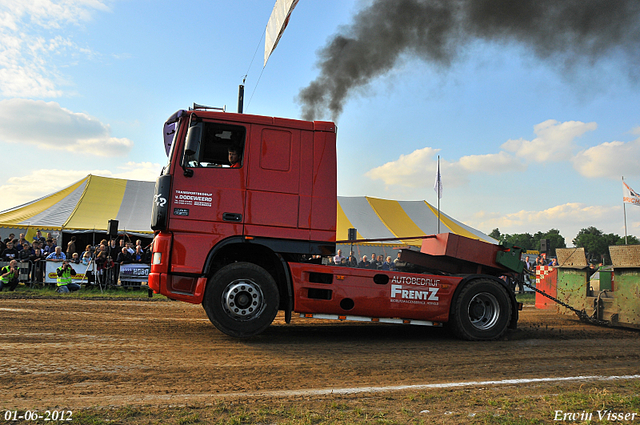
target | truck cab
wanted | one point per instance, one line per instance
(276, 203)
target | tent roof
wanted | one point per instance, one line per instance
(91, 202)
(376, 218)
(88, 205)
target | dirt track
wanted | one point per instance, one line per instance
(84, 353)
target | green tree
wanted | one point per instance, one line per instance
(596, 244)
(556, 240)
(631, 240)
(523, 240)
(495, 234)
(532, 243)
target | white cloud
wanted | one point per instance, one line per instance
(49, 13)
(145, 171)
(29, 82)
(555, 141)
(408, 170)
(48, 125)
(20, 190)
(497, 163)
(611, 159)
(31, 31)
(418, 169)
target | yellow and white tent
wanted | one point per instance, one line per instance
(385, 219)
(87, 206)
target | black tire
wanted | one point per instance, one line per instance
(481, 311)
(241, 299)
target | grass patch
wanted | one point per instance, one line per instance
(500, 405)
(117, 292)
(89, 418)
(528, 298)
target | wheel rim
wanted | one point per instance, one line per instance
(243, 299)
(484, 311)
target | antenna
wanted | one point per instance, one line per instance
(241, 95)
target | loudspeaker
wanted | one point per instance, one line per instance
(353, 234)
(112, 228)
(544, 245)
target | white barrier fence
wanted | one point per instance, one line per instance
(133, 274)
(129, 273)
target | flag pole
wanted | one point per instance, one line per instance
(439, 194)
(624, 209)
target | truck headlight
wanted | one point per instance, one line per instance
(157, 258)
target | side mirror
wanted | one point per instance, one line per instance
(194, 136)
(192, 143)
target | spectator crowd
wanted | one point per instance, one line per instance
(375, 262)
(106, 257)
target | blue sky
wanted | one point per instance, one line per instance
(525, 145)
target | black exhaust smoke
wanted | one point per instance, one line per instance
(564, 31)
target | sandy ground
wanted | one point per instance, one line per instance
(76, 353)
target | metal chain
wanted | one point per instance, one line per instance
(582, 314)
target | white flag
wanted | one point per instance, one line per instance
(629, 195)
(276, 25)
(437, 186)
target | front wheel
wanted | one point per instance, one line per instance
(482, 311)
(241, 299)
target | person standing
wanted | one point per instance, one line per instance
(352, 261)
(71, 247)
(26, 253)
(57, 255)
(373, 264)
(124, 257)
(10, 253)
(338, 257)
(39, 265)
(113, 249)
(139, 256)
(19, 244)
(49, 247)
(526, 275)
(38, 237)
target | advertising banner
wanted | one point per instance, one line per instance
(128, 272)
(51, 276)
(134, 272)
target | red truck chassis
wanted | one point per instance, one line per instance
(245, 239)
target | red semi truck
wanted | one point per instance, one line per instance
(245, 208)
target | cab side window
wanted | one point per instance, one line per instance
(222, 145)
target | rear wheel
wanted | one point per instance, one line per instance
(241, 299)
(482, 311)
